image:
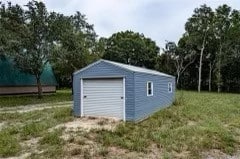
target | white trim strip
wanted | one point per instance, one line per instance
(151, 88)
(81, 96)
(103, 77)
(124, 99)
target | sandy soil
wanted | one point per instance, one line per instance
(23, 156)
(2, 125)
(28, 108)
(217, 154)
(88, 123)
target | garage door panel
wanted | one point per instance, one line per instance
(102, 94)
(101, 107)
(113, 89)
(102, 104)
(103, 97)
(92, 110)
(102, 110)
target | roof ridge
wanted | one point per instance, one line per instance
(130, 67)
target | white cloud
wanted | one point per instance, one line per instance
(158, 19)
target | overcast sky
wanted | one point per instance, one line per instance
(158, 19)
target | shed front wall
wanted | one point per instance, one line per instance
(103, 98)
(105, 70)
(146, 105)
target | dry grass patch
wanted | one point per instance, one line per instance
(88, 124)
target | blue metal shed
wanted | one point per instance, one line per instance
(110, 89)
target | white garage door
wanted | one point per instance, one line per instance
(103, 97)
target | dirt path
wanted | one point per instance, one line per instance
(28, 108)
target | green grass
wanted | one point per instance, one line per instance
(17, 100)
(26, 126)
(52, 143)
(196, 123)
(9, 144)
(52, 138)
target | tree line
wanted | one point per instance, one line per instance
(207, 55)
(34, 37)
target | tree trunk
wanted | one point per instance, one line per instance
(219, 76)
(178, 76)
(200, 63)
(39, 85)
(210, 78)
(200, 68)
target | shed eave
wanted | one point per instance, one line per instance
(124, 68)
(78, 71)
(94, 77)
(120, 65)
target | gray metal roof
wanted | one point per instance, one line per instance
(127, 67)
(136, 69)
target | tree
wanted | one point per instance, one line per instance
(11, 28)
(198, 28)
(182, 57)
(165, 63)
(75, 41)
(101, 45)
(221, 26)
(35, 52)
(131, 48)
(214, 37)
(34, 37)
(29, 44)
(231, 54)
(211, 58)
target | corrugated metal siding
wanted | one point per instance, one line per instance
(105, 69)
(102, 97)
(146, 105)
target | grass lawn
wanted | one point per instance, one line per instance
(59, 96)
(196, 126)
(20, 129)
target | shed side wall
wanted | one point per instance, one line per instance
(146, 105)
(103, 69)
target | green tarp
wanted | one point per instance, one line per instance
(12, 76)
